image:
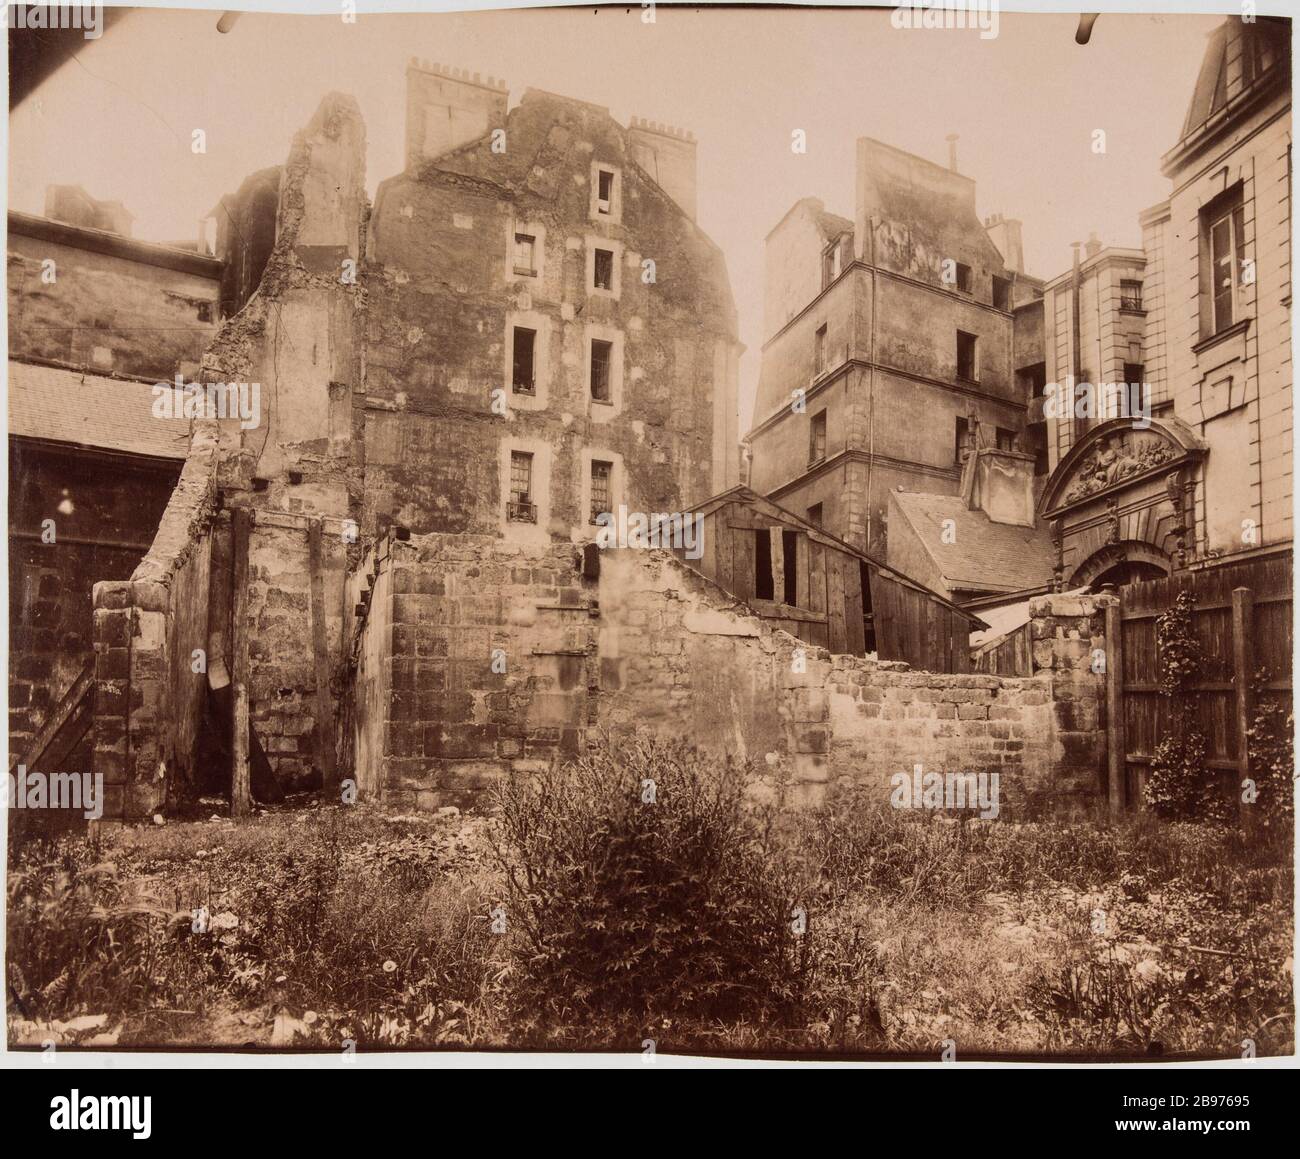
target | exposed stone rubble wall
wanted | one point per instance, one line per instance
(654, 646)
(297, 339)
(148, 697)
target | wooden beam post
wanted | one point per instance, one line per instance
(240, 792)
(325, 723)
(1243, 672)
(1115, 753)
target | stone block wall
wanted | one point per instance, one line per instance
(652, 645)
(148, 697)
(490, 660)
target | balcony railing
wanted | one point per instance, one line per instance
(520, 511)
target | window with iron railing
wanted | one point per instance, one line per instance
(520, 508)
(1130, 295)
(601, 478)
(524, 376)
(602, 357)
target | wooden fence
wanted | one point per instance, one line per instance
(1242, 621)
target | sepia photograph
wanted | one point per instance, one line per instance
(649, 534)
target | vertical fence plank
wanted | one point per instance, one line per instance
(1115, 752)
(1243, 607)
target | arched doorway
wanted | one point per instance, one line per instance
(1122, 563)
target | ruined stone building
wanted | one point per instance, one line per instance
(1201, 316)
(525, 331)
(379, 569)
(95, 319)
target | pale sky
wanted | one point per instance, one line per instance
(118, 119)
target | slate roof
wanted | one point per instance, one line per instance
(90, 410)
(986, 556)
(832, 224)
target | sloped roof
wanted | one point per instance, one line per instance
(90, 410)
(1238, 55)
(985, 556)
(742, 494)
(832, 224)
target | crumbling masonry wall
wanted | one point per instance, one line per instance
(300, 462)
(652, 645)
(149, 692)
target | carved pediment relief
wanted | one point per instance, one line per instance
(1119, 457)
(1113, 453)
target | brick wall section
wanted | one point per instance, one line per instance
(689, 659)
(148, 699)
(454, 724)
(1068, 636)
(669, 652)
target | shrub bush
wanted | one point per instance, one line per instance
(644, 889)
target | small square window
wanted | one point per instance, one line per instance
(601, 499)
(1130, 295)
(1006, 439)
(604, 191)
(815, 514)
(524, 377)
(603, 277)
(967, 365)
(602, 358)
(817, 438)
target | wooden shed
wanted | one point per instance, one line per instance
(825, 591)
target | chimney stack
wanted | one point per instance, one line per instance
(668, 155)
(1092, 247)
(952, 151)
(1005, 233)
(447, 108)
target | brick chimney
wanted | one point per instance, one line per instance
(73, 205)
(668, 155)
(999, 483)
(447, 108)
(1004, 232)
(1092, 247)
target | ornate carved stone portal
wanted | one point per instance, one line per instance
(1119, 502)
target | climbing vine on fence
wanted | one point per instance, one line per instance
(1180, 787)
(1272, 752)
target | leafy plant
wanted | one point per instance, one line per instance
(1180, 786)
(645, 889)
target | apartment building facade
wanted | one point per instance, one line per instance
(1203, 312)
(891, 348)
